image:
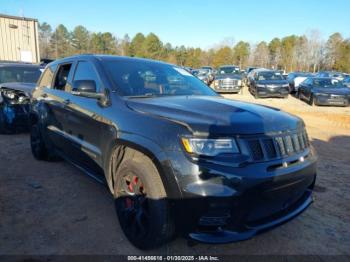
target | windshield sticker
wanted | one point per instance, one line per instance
(182, 71)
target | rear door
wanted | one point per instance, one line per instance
(55, 98)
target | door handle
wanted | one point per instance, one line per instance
(66, 102)
(44, 95)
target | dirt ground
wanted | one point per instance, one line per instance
(52, 208)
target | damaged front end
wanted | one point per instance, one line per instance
(14, 111)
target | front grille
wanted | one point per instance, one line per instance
(274, 147)
(337, 97)
(228, 83)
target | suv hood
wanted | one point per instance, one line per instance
(24, 87)
(230, 76)
(215, 115)
(335, 91)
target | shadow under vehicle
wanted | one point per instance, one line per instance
(268, 83)
(228, 79)
(177, 157)
(324, 91)
(17, 80)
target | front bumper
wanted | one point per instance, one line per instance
(332, 100)
(273, 92)
(221, 236)
(232, 203)
(14, 117)
(228, 89)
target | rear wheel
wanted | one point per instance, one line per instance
(141, 202)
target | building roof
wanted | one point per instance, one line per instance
(18, 17)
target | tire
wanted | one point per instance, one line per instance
(37, 144)
(311, 100)
(298, 95)
(141, 201)
(256, 96)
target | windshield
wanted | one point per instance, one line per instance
(327, 83)
(23, 74)
(270, 76)
(229, 70)
(145, 78)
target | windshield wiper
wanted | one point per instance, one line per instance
(147, 95)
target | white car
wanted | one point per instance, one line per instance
(297, 81)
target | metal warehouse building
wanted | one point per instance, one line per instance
(19, 39)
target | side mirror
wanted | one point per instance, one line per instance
(86, 88)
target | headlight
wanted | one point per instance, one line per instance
(209, 147)
(239, 82)
(286, 85)
(10, 95)
(216, 83)
(260, 85)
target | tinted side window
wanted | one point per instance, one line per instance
(62, 77)
(86, 71)
(46, 78)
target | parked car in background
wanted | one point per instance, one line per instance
(268, 83)
(346, 81)
(178, 159)
(209, 68)
(228, 79)
(324, 91)
(283, 73)
(250, 68)
(246, 73)
(295, 78)
(188, 69)
(337, 75)
(203, 75)
(17, 80)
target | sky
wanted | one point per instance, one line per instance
(196, 23)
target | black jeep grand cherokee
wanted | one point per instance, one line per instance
(177, 157)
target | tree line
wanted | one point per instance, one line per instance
(308, 52)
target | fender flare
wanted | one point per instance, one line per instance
(151, 150)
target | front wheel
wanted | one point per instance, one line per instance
(256, 96)
(39, 148)
(141, 201)
(311, 100)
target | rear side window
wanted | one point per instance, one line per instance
(62, 77)
(86, 71)
(46, 78)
